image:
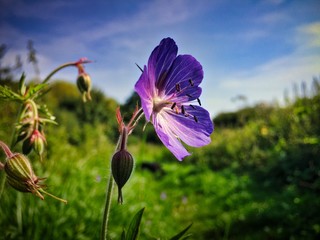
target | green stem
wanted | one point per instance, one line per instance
(104, 230)
(3, 181)
(107, 207)
(58, 69)
(13, 136)
(9, 154)
(19, 211)
(6, 150)
(35, 113)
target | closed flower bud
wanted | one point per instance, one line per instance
(38, 146)
(84, 85)
(122, 166)
(36, 141)
(20, 175)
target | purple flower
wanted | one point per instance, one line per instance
(168, 88)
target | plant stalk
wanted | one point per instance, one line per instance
(104, 229)
(58, 69)
(121, 144)
(107, 205)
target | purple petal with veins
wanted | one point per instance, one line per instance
(169, 88)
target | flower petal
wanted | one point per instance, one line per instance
(145, 90)
(160, 61)
(185, 71)
(168, 138)
(194, 128)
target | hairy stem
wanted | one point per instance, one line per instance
(58, 69)
(6, 149)
(107, 205)
(136, 117)
(19, 211)
(124, 138)
(104, 230)
(9, 154)
(120, 145)
(2, 182)
(35, 112)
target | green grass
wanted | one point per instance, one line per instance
(256, 181)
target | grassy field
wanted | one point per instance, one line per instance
(258, 179)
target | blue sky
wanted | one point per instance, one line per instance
(253, 48)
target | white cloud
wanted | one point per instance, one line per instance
(118, 42)
(274, 17)
(252, 35)
(152, 14)
(268, 81)
(310, 35)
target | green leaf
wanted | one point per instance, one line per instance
(7, 94)
(123, 235)
(34, 91)
(45, 120)
(133, 230)
(44, 109)
(180, 234)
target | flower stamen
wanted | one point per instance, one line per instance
(182, 110)
(178, 87)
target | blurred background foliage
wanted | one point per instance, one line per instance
(258, 179)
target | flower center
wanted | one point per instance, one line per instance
(158, 104)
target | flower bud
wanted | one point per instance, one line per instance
(84, 85)
(38, 145)
(38, 140)
(122, 166)
(35, 141)
(20, 175)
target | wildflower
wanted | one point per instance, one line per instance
(83, 80)
(168, 87)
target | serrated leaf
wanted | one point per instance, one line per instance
(45, 120)
(134, 227)
(35, 90)
(44, 109)
(180, 234)
(7, 94)
(42, 93)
